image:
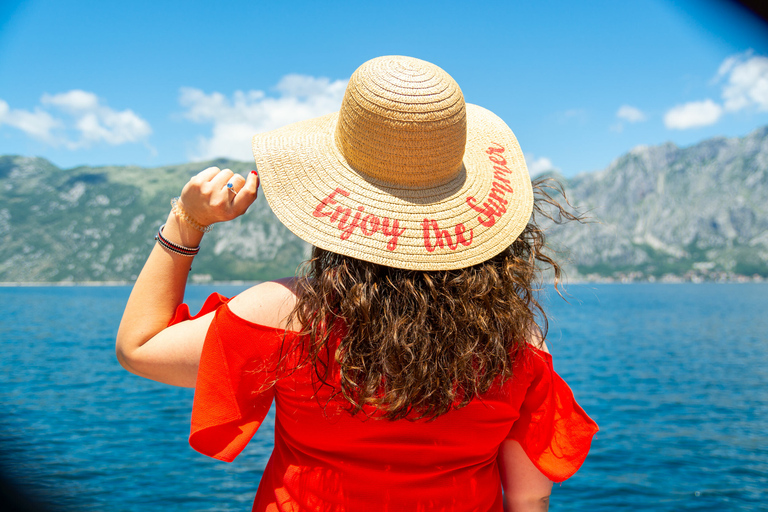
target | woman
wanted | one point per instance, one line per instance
(406, 365)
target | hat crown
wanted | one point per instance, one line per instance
(403, 121)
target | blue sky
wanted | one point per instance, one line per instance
(164, 82)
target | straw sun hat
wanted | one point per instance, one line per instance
(406, 174)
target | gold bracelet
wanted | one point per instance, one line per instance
(180, 213)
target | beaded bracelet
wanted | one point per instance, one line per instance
(180, 213)
(178, 249)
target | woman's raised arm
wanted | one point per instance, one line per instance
(173, 354)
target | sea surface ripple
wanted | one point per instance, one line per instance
(676, 375)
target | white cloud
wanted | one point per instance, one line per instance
(96, 122)
(630, 114)
(112, 127)
(87, 121)
(74, 101)
(539, 165)
(693, 115)
(747, 82)
(728, 64)
(37, 124)
(746, 86)
(235, 120)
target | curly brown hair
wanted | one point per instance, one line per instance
(420, 343)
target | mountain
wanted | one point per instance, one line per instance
(663, 212)
(699, 212)
(98, 224)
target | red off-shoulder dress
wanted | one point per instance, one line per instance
(324, 459)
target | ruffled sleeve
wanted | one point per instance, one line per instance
(211, 304)
(553, 429)
(235, 380)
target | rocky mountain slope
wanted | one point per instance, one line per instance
(700, 211)
(663, 212)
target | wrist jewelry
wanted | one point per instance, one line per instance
(180, 213)
(178, 249)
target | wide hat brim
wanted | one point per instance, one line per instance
(321, 198)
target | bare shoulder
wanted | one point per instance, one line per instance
(268, 303)
(536, 338)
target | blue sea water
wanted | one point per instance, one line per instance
(675, 375)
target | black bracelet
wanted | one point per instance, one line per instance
(176, 248)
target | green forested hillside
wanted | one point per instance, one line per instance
(98, 224)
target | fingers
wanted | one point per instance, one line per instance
(247, 194)
(216, 195)
(219, 181)
(208, 174)
(235, 183)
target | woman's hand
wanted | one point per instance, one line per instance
(173, 355)
(217, 195)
